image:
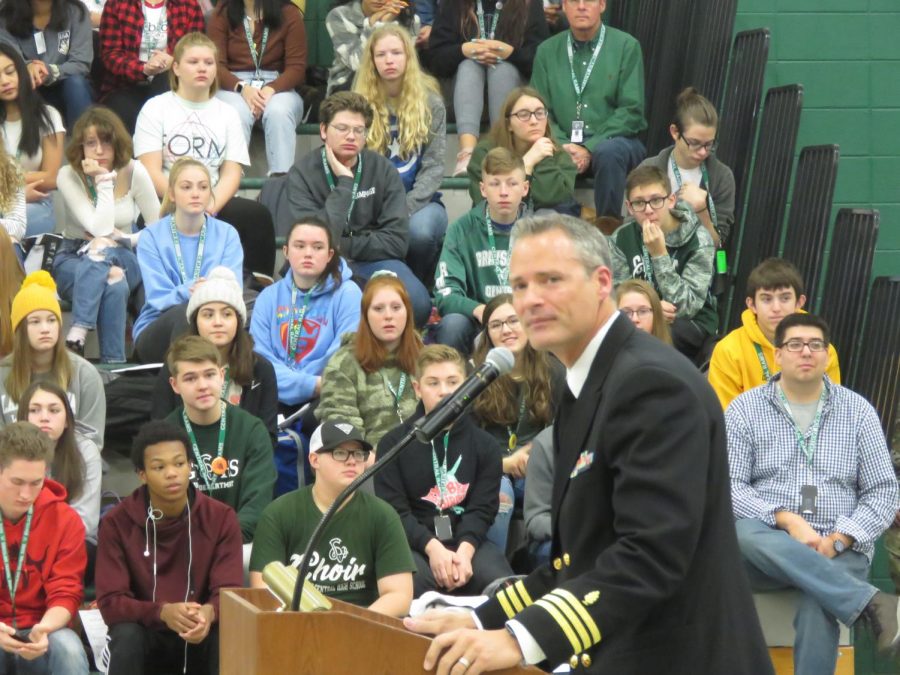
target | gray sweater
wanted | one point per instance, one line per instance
(431, 171)
(72, 49)
(539, 488)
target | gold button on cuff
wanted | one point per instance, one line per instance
(566, 559)
(586, 660)
(557, 564)
(573, 662)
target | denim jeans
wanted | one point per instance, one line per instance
(279, 120)
(96, 304)
(611, 161)
(833, 589)
(39, 217)
(419, 297)
(427, 228)
(457, 331)
(468, 92)
(71, 95)
(65, 656)
(498, 533)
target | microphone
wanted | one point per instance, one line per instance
(499, 361)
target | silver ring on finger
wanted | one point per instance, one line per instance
(464, 662)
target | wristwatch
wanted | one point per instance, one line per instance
(839, 546)
(239, 87)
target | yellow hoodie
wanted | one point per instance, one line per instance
(735, 367)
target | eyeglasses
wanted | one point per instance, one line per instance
(694, 145)
(343, 454)
(524, 115)
(346, 129)
(93, 144)
(513, 323)
(642, 312)
(797, 345)
(656, 203)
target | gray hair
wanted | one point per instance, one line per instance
(590, 244)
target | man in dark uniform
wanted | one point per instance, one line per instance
(645, 573)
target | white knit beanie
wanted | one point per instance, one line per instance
(220, 286)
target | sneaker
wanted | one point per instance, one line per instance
(883, 615)
(462, 162)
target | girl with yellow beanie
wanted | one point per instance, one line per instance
(39, 354)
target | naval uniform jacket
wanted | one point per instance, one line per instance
(646, 575)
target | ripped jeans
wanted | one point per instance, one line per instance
(99, 301)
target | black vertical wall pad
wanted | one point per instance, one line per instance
(807, 225)
(706, 54)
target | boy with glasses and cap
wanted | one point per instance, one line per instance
(362, 557)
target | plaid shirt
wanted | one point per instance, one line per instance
(851, 468)
(120, 38)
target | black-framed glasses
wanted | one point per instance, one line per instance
(694, 145)
(540, 114)
(656, 203)
(346, 129)
(343, 454)
(642, 312)
(797, 345)
(513, 323)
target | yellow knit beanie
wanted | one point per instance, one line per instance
(38, 291)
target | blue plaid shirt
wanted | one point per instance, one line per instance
(851, 468)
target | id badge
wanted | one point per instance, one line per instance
(808, 494)
(257, 83)
(442, 528)
(40, 44)
(577, 135)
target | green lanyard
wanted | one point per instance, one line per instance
(12, 583)
(396, 393)
(807, 447)
(296, 329)
(330, 178)
(762, 362)
(648, 264)
(441, 474)
(498, 7)
(579, 90)
(501, 271)
(514, 435)
(710, 203)
(92, 190)
(209, 476)
(200, 246)
(257, 58)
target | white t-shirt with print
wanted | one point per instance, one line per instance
(209, 132)
(154, 33)
(12, 133)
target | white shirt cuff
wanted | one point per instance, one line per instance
(531, 650)
(477, 621)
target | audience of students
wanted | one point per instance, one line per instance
(32, 133)
(102, 192)
(12, 197)
(261, 48)
(409, 127)
(523, 129)
(640, 302)
(368, 380)
(487, 46)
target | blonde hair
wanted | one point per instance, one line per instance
(641, 287)
(412, 109)
(168, 202)
(19, 362)
(11, 180)
(11, 276)
(432, 354)
(194, 39)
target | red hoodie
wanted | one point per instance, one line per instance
(53, 569)
(124, 575)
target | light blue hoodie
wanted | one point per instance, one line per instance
(159, 266)
(332, 312)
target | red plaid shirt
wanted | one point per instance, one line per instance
(120, 37)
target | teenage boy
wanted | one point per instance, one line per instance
(664, 243)
(360, 194)
(446, 491)
(474, 265)
(42, 539)
(745, 358)
(812, 490)
(362, 557)
(230, 449)
(164, 554)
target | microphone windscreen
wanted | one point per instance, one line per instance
(502, 359)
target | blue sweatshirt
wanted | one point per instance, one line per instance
(159, 266)
(332, 311)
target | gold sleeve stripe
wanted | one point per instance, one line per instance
(514, 599)
(505, 606)
(519, 586)
(562, 622)
(572, 617)
(583, 614)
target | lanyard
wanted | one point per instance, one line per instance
(514, 435)
(330, 178)
(762, 362)
(710, 203)
(440, 471)
(648, 264)
(501, 272)
(398, 394)
(257, 58)
(807, 447)
(200, 246)
(92, 190)
(12, 583)
(296, 329)
(579, 90)
(497, 9)
(218, 465)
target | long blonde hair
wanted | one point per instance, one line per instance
(20, 372)
(411, 108)
(11, 276)
(168, 202)
(11, 180)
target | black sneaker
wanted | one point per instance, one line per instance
(883, 615)
(75, 347)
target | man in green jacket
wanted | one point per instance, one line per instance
(592, 78)
(474, 266)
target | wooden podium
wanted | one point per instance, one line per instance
(255, 639)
